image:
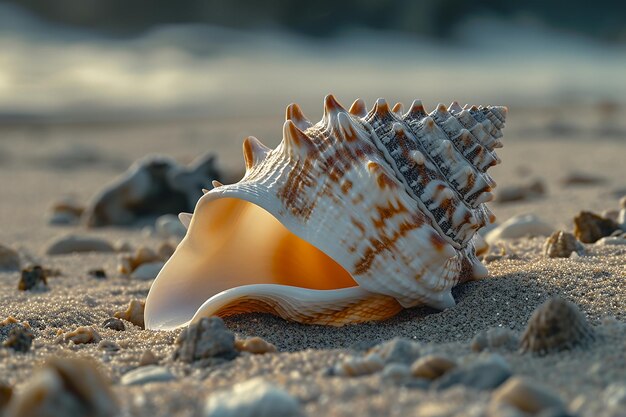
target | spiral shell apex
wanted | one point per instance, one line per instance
(347, 220)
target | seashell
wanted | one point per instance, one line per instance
(348, 220)
(152, 186)
(64, 387)
(255, 345)
(556, 325)
(561, 245)
(359, 366)
(519, 226)
(130, 264)
(589, 227)
(168, 226)
(66, 211)
(431, 367)
(528, 396)
(134, 313)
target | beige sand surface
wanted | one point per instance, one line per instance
(40, 163)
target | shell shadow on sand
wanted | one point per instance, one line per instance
(517, 299)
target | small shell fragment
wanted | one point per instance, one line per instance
(519, 226)
(81, 335)
(33, 277)
(561, 245)
(133, 314)
(556, 325)
(255, 345)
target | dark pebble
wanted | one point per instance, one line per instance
(97, 273)
(32, 277)
(20, 339)
(114, 324)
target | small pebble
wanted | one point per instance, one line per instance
(525, 225)
(147, 271)
(253, 398)
(556, 325)
(612, 240)
(589, 227)
(524, 192)
(206, 340)
(484, 374)
(97, 273)
(6, 392)
(148, 358)
(527, 396)
(114, 323)
(396, 372)
(168, 226)
(109, 346)
(432, 367)
(9, 259)
(64, 387)
(582, 178)
(358, 366)
(20, 339)
(398, 350)
(133, 314)
(32, 278)
(254, 345)
(76, 243)
(147, 374)
(82, 335)
(495, 338)
(143, 255)
(561, 245)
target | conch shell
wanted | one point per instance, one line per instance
(347, 220)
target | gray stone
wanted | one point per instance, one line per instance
(207, 340)
(147, 374)
(398, 350)
(9, 259)
(483, 374)
(77, 243)
(253, 398)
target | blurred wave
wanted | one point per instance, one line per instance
(49, 71)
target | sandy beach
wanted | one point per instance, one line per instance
(41, 163)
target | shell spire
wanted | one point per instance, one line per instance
(348, 220)
(254, 151)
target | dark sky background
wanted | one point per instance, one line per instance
(603, 20)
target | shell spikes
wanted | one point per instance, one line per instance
(348, 220)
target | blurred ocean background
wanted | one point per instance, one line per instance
(111, 60)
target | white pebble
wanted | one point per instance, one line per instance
(611, 240)
(147, 271)
(519, 226)
(253, 398)
(146, 374)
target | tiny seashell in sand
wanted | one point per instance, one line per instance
(556, 325)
